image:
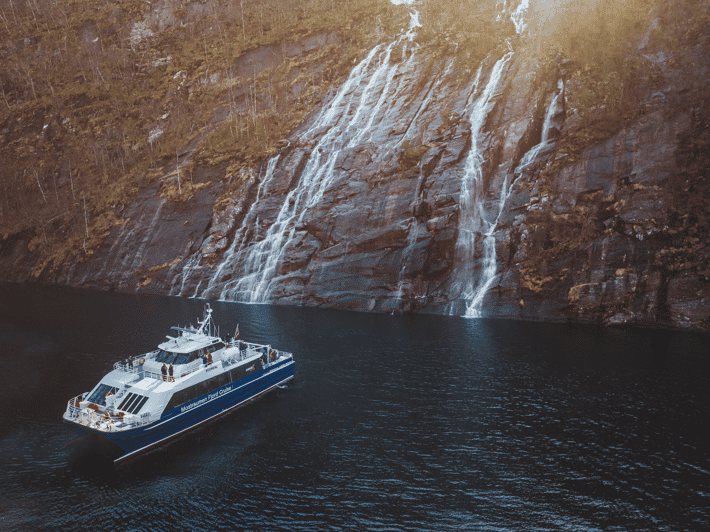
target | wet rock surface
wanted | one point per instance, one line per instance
(368, 214)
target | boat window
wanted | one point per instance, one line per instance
(203, 388)
(162, 356)
(215, 347)
(166, 357)
(133, 403)
(99, 395)
(127, 402)
(137, 408)
(183, 358)
(209, 385)
(242, 371)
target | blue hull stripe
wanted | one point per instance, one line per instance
(198, 424)
(217, 395)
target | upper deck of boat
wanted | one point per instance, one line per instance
(190, 340)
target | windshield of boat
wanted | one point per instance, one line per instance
(175, 358)
(167, 357)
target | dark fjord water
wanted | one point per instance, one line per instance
(392, 423)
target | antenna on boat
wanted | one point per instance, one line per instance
(206, 321)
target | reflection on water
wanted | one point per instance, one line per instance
(392, 423)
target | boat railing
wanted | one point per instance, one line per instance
(250, 350)
(104, 419)
(134, 366)
(125, 367)
(184, 372)
(73, 408)
(143, 419)
(98, 418)
(158, 376)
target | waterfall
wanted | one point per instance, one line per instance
(412, 233)
(475, 294)
(545, 144)
(193, 264)
(347, 121)
(472, 217)
(252, 267)
(474, 222)
(518, 16)
(551, 111)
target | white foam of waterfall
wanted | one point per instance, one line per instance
(502, 8)
(472, 216)
(412, 230)
(489, 268)
(413, 13)
(489, 265)
(544, 143)
(347, 121)
(193, 264)
(550, 114)
(518, 16)
(250, 221)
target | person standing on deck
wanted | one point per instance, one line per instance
(170, 373)
(164, 371)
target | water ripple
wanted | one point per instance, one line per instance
(392, 423)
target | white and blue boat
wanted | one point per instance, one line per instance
(191, 379)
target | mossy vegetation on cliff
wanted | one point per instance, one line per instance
(622, 61)
(611, 49)
(467, 29)
(608, 53)
(102, 99)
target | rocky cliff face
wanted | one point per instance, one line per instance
(424, 185)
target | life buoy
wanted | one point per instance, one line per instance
(141, 361)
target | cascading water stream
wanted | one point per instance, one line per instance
(473, 219)
(551, 110)
(545, 142)
(347, 121)
(489, 266)
(518, 16)
(472, 215)
(250, 220)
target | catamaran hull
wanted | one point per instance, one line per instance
(124, 445)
